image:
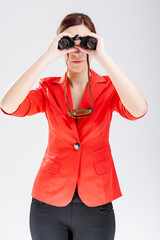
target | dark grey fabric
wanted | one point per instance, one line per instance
(76, 198)
(76, 221)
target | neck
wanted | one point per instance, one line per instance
(78, 79)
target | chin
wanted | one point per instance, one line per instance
(77, 68)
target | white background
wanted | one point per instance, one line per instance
(131, 33)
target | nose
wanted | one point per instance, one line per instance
(77, 50)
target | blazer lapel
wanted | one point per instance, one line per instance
(97, 86)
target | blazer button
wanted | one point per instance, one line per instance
(77, 146)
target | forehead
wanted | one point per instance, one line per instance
(82, 30)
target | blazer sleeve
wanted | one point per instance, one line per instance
(33, 103)
(117, 105)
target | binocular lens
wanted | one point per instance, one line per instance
(91, 43)
(64, 43)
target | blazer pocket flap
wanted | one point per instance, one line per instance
(103, 165)
(51, 166)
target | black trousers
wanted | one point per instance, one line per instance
(76, 221)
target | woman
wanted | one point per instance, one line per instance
(78, 152)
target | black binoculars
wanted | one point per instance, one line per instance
(86, 42)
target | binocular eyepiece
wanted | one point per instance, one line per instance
(86, 42)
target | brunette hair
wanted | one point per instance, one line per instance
(74, 19)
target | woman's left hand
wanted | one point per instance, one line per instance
(100, 52)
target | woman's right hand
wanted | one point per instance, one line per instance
(53, 50)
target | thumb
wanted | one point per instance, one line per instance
(70, 50)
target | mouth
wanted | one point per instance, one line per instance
(77, 61)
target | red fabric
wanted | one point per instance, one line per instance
(92, 166)
(32, 104)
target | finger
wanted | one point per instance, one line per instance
(88, 51)
(92, 34)
(65, 34)
(70, 50)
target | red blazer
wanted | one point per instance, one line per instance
(76, 154)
